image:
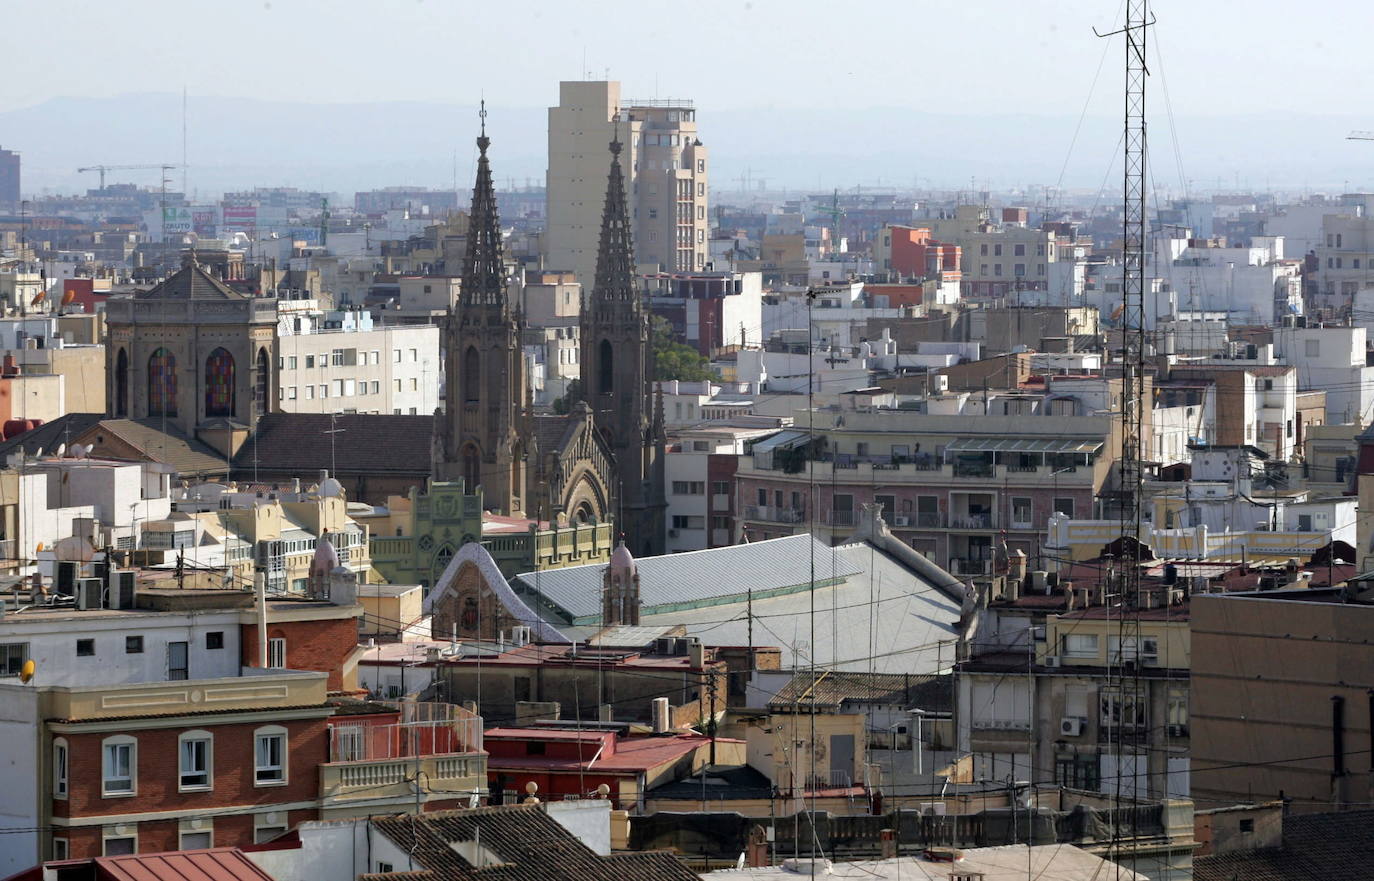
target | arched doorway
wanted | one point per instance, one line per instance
(162, 384)
(219, 383)
(121, 401)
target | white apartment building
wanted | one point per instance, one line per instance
(105, 501)
(666, 170)
(342, 362)
(1254, 284)
(1333, 360)
(1344, 253)
(701, 505)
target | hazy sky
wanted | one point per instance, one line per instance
(950, 56)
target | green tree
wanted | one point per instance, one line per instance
(570, 397)
(675, 360)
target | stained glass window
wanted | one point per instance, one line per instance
(219, 383)
(162, 384)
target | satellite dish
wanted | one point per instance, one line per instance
(26, 671)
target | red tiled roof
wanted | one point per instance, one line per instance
(215, 864)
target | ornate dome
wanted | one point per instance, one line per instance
(326, 558)
(622, 560)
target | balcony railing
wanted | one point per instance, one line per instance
(965, 566)
(384, 778)
(973, 521)
(771, 514)
(427, 729)
(840, 518)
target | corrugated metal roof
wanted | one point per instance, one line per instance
(1023, 445)
(216, 864)
(696, 578)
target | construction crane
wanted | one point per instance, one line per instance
(104, 168)
(834, 212)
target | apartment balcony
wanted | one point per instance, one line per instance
(440, 746)
(771, 514)
(884, 471)
(967, 566)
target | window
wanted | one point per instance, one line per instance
(414, 354)
(1176, 712)
(689, 487)
(763, 497)
(120, 845)
(85, 648)
(720, 487)
(384, 868)
(1080, 645)
(196, 840)
(983, 250)
(60, 849)
(12, 657)
(59, 768)
(1019, 251)
(997, 269)
(1064, 506)
(1247, 826)
(1121, 708)
(178, 661)
(309, 360)
(1077, 772)
(414, 384)
(291, 393)
(276, 652)
(291, 363)
(997, 250)
(701, 189)
(397, 383)
(701, 166)
(269, 756)
(310, 393)
(396, 356)
(120, 755)
(133, 645)
(1021, 512)
(1019, 270)
(1124, 649)
(194, 766)
(214, 640)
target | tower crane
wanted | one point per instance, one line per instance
(834, 212)
(104, 168)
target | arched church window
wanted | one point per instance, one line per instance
(441, 560)
(162, 384)
(472, 375)
(605, 364)
(121, 403)
(219, 383)
(262, 384)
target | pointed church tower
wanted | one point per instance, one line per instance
(486, 383)
(617, 375)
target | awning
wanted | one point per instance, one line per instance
(783, 440)
(1023, 445)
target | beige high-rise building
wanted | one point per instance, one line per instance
(666, 175)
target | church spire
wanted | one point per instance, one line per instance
(483, 267)
(615, 256)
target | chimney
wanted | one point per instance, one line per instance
(887, 844)
(756, 855)
(661, 715)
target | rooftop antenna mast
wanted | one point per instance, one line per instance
(1133, 402)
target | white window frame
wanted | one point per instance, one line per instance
(108, 835)
(1082, 653)
(186, 828)
(281, 767)
(209, 771)
(105, 778)
(61, 765)
(61, 849)
(276, 652)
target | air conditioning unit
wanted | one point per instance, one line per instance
(1072, 726)
(121, 594)
(89, 593)
(1051, 660)
(901, 520)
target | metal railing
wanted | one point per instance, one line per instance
(426, 729)
(771, 514)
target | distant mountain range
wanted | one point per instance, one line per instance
(236, 143)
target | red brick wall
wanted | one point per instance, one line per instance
(233, 830)
(158, 778)
(310, 645)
